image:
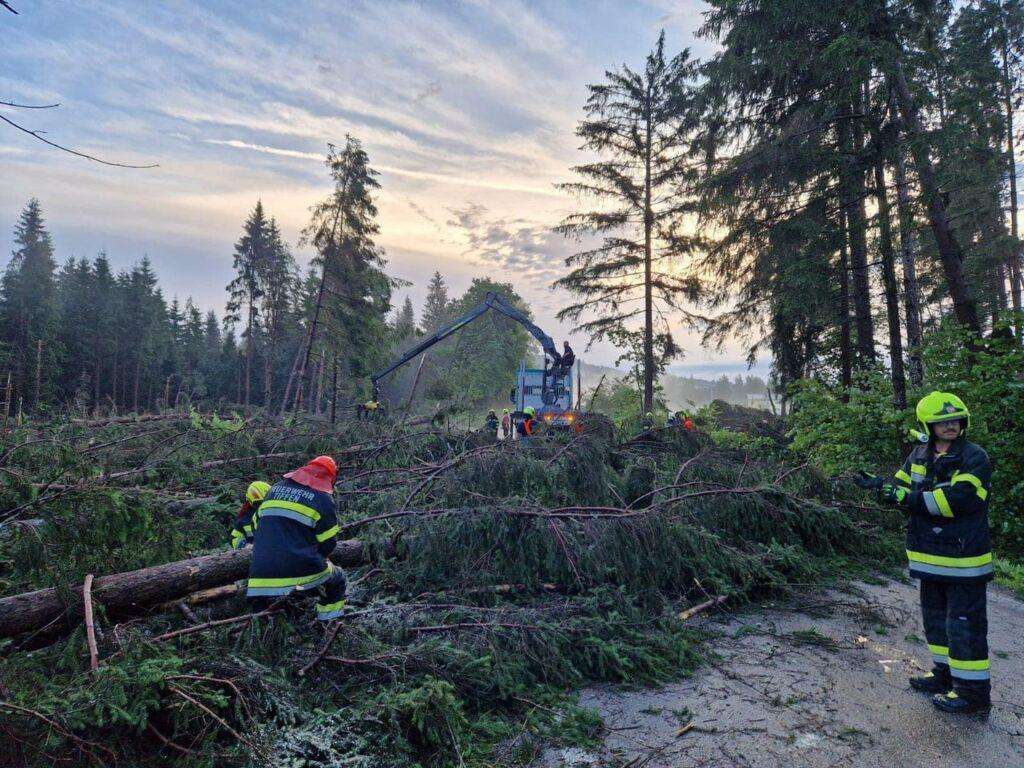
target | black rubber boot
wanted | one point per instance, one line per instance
(936, 681)
(951, 702)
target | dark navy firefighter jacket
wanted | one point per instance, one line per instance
(296, 530)
(947, 533)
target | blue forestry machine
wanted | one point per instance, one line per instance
(548, 390)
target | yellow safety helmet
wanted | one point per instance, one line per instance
(941, 406)
(256, 491)
(530, 410)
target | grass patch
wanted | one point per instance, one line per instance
(813, 637)
(1011, 575)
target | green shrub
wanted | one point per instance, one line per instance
(868, 432)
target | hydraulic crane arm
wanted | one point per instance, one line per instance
(492, 301)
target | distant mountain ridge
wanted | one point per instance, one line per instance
(682, 391)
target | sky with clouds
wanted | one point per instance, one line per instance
(466, 108)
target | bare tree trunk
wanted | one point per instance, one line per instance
(999, 289)
(290, 380)
(950, 253)
(334, 390)
(130, 593)
(1013, 260)
(39, 373)
(114, 382)
(96, 385)
(317, 407)
(856, 220)
(135, 388)
(899, 384)
(248, 356)
(648, 391)
(908, 249)
(415, 382)
(845, 340)
(268, 363)
(300, 372)
(333, 248)
(7, 402)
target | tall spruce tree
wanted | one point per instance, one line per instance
(28, 305)
(436, 310)
(251, 262)
(277, 279)
(404, 326)
(353, 296)
(637, 123)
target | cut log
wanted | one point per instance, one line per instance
(131, 593)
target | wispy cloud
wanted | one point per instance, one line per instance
(467, 110)
(440, 178)
(236, 144)
(530, 250)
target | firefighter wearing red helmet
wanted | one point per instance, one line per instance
(297, 529)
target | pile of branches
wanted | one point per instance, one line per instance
(754, 422)
(489, 579)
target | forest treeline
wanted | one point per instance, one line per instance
(832, 185)
(83, 336)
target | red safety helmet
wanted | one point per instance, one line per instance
(319, 474)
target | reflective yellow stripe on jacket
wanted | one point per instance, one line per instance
(967, 477)
(291, 509)
(939, 565)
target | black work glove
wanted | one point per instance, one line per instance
(868, 481)
(894, 494)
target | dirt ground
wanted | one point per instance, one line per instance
(818, 684)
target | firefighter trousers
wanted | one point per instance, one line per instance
(956, 628)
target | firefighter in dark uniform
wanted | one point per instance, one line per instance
(297, 528)
(244, 527)
(491, 424)
(944, 486)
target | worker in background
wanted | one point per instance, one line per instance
(944, 486)
(492, 421)
(527, 425)
(369, 409)
(568, 357)
(687, 423)
(245, 521)
(506, 424)
(297, 529)
(648, 421)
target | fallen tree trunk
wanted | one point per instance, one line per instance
(125, 594)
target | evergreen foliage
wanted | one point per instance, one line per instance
(637, 123)
(452, 642)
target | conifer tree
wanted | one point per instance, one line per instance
(251, 262)
(353, 295)
(405, 322)
(27, 302)
(637, 124)
(277, 280)
(436, 311)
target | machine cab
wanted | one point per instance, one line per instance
(529, 391)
